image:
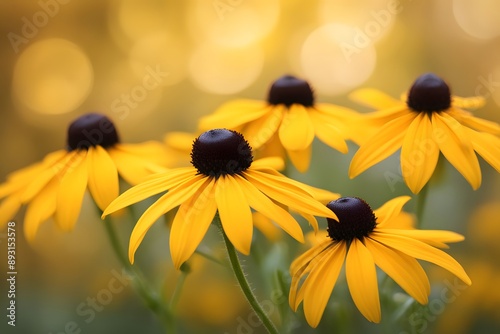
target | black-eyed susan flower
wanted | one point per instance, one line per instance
(93, 160)
(288, 121)
(362, 239)
(224, 179)
(428, 121)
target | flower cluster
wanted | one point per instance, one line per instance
(234, 180)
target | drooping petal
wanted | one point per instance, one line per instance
(308, 255)
(328, 133)
(387, 140)
(180, 194)
(40, 208)
(261, 203)
(70, 194)
(296, 131)
(234, 212)
(436, 238)
(321, 283)
(266, 226)
(287, 193)
(103, 176)
(456, 147)
(191, 223)
(390, 209)
(261, 130)
(467, 119)
(8, 209)
(373, 98)
(362, 280)
(154, 185)
(403, 269)
(132, 168)
(487, 146)
(420, 250)
(419, 153)
(233, 114)
(301, 159)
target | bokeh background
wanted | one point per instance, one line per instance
(63, 58)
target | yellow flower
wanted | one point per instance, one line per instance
(363, 238)
(93, 160)
(428, 122)
(224, 179)
(288, 121)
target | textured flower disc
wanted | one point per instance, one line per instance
(91, 130)
(288, 90)
(356, 219)
(429, 93)
(221, 152)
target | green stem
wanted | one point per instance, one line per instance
(152, 300)
(243, 282)
(421, 202)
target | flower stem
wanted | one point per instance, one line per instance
(151, 299)
(243, 282)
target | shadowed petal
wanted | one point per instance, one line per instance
(373, 98)
(103, 176)
(390, 210)
(167, 202)
(296, 131)
(487, 146)
(301, 159)
(387, 140)
(319, 284)
(456, 147)
(420, 250)
(8, 209)
(362, 280)
(328, 133)
(403, 269)
(260, 131)
(40, 209)
(233, 114)
(71, 191)
(419, 153)
(191, 224)
(234, 212)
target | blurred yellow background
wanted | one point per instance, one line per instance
(156, 66)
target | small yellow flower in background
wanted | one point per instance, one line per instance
(363, 238)
(288, 121)
(430, 120)
(224, 178)
(94, 160)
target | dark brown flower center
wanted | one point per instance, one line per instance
(91, 130)
(288, 90)
(429, 93)
(356, 219)
(221, 152)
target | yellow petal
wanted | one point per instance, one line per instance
(328, 133)
(373, 98)
(8, 209)
(362, 280)
(287, 193)
(165, 203)
(71, 191)
(233, 114)
(390, 209)
(301, 159)
(156, 184)
(321, 282)
(296, 131)
(436, 238)
(468, 102)
(456, 147)
(385, 142)
(103, 176)
(191, 223)
(261, 130)
(266, 226)
(234, 212)
(403, 269)
(40, 209)
(487, 146)
(269, 163)
(261, 203)
(475, 123)
(419, 153)
(420, 250)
